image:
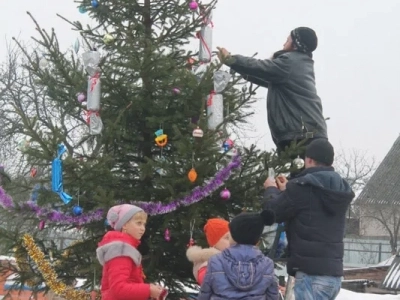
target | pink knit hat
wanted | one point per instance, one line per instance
(118, 215)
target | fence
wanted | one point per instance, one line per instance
(365, 252)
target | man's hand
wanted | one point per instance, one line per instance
(223, 54)
(270, 182)
(281, 181)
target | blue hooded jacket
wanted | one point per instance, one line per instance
(239, 272)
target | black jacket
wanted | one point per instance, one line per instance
(313, 207)
(293, 105)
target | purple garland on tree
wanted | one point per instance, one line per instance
(50, 215)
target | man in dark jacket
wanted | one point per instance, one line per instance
(293, 106)
(313, 206)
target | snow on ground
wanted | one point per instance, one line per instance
(348, 295)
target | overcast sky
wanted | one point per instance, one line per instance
(357, 63)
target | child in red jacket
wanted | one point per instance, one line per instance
(217, 234)
(123, 277)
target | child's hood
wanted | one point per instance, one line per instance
(115, 244)
(245, 266)
(197, 254)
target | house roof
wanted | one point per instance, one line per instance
(384, 185)
(392, 279)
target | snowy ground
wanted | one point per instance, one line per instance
(348, 295)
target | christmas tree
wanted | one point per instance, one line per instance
(127, 115)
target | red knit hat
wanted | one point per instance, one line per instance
(215, 229)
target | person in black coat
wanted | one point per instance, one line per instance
(294, 108)
(313, 206)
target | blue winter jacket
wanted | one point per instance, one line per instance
(239, 272)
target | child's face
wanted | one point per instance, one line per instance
(136, 226)
(223, 243)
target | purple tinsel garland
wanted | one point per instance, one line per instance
(152, 208)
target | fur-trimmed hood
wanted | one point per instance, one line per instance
(196, 254)
(116, 243)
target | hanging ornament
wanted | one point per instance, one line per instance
(81, 97)
(33, 172)
(192, 175)
(94, 3)
(108, 39)
(43, 63)
(161, 171)
(167, 235)
(225, 194)
(227, 145)
(77, 210)
(190, 63)
(77, 46)
(35, 192)
(24, 145)
(57, 175)
(191, 229)
(193, 5)
(176, 91)
(82, 9)
(198, 133)
(42, 223)
(161, 138)
(298, 162)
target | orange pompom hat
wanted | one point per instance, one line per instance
(215, 229)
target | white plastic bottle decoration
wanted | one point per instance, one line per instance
(205, 37)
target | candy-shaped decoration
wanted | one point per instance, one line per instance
(167, 235)
(176, 91)
(91, 62)
(82, 9)
(108, 39)
(227, 145)
(56, 175)
(94, 3)
(24, 145)
(215, 101)
(161, 138)
(81, 97)
(205, 37)
(193, 5)
(77, 210)
(298, 162)
(198, 133)
(95, 123)
(192, 175)
(33, 172)
(225, 194)
(42, 223)
(215, 110)
(221, 80)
